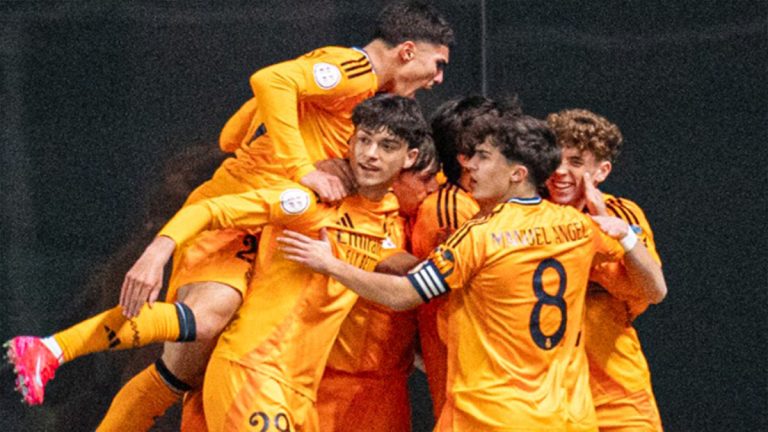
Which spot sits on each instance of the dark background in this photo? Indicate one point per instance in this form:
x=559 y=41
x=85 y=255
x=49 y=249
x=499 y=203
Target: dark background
x=111 y=113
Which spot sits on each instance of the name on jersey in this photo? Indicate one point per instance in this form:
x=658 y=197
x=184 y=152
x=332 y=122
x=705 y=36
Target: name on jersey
x=361 y=251
x=541 y=236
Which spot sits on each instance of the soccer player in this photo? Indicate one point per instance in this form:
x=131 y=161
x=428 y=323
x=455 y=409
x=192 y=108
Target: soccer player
x=517 y=277
x=444 y=211
x=300 y=114
x=619 y=375
x=365 y=383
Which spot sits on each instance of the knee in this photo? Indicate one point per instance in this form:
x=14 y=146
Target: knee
x=213 y=305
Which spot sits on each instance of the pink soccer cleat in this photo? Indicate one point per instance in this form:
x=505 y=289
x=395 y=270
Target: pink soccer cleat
x=34 y=365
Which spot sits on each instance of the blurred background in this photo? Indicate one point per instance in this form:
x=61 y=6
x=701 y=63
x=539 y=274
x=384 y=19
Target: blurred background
x=111 y=112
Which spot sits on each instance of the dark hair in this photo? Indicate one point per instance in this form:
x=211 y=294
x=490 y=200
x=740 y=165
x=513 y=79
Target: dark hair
x=427 y=157
x=586 y=130
x=399 y=115
x=452 y=119
x=530 y=142
x=412 y=20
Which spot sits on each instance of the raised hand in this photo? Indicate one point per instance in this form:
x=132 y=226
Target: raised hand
x=593 y=196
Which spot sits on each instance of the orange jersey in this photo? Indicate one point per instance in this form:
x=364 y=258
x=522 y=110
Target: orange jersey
x=301 y=113
x=619 y=371
x=441 y=213
x=364 y=385
x=290 y=315
x=519 y=279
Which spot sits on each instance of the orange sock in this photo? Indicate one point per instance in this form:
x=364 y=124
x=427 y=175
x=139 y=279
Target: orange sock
x=141 y=400
x=110 y=330
x=192 y=414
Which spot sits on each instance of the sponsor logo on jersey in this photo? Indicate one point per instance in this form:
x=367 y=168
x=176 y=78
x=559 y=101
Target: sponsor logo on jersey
x=294 y=201
x=387 y=243
x=327 y=76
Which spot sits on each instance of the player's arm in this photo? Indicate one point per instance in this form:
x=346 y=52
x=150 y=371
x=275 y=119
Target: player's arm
x=237 y=127
x=397 y=264
x=643 y=271
x=277 y=90
x=395 y=292
x=252 y=209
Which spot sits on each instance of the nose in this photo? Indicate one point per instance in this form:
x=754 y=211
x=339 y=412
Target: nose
x=439 y=77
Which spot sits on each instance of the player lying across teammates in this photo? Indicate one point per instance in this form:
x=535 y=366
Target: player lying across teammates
x=300 y=115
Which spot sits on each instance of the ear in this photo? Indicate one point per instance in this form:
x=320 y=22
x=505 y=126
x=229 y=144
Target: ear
x=406 y=51
x=410 y=158
x=518 y=173
x=603 y=169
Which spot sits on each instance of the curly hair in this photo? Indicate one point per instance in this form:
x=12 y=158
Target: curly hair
x=586 y=130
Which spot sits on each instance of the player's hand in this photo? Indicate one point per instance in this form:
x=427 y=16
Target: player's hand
x=144 y=280
x=327 y=186
x=340 y=168
x=595 y=202
x=613 y=226
x=315 y=254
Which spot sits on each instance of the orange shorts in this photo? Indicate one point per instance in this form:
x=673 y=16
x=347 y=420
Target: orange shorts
x=237 y=398
x=433 y=349
x=223 y=256
x=634 y=412
x=349 y=402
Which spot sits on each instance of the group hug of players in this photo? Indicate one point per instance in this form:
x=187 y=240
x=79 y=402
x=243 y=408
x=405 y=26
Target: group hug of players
x=305 y=268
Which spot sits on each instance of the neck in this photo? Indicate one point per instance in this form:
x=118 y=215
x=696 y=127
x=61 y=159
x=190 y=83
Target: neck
x=524 y=190
x=381 y=55
x=373 y=193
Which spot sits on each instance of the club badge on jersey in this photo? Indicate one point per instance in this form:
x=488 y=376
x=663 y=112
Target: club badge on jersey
x=294 y=201
x=327 y=76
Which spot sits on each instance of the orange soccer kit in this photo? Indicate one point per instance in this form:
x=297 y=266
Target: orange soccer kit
x=620 y=378
x=519 y=279
x=301 y=113
x=441 y=213
x=269 y=361
x=365 y=383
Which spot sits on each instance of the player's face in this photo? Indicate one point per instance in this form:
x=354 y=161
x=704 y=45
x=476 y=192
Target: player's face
x=423 y=68
x=566 y=185
x=489 y=169
x=411 y=188
x=378 y=156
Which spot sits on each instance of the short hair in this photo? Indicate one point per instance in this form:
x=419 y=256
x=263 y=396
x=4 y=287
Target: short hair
x=412 y=20
x=527 y=141
x=452 y=119
x=399 y=115
x=427 y=158
x=586 y=130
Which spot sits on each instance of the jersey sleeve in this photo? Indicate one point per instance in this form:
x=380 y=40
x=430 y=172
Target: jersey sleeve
x=237 y=127
x=279 y=88
x=247 y=210
x=450 y=266
x=613 y=275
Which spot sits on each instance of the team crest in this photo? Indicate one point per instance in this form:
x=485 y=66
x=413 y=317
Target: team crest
x=637 y=229
x=387 y=243
x=327 y=76
x=294 y=201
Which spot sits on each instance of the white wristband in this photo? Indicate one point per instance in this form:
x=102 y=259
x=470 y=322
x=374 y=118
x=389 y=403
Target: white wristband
x=629 y=241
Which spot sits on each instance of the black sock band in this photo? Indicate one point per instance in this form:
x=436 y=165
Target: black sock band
x=170 y=379
x=187 y=330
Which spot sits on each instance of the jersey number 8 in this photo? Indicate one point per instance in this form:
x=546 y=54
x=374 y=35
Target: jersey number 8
x=544 y=341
